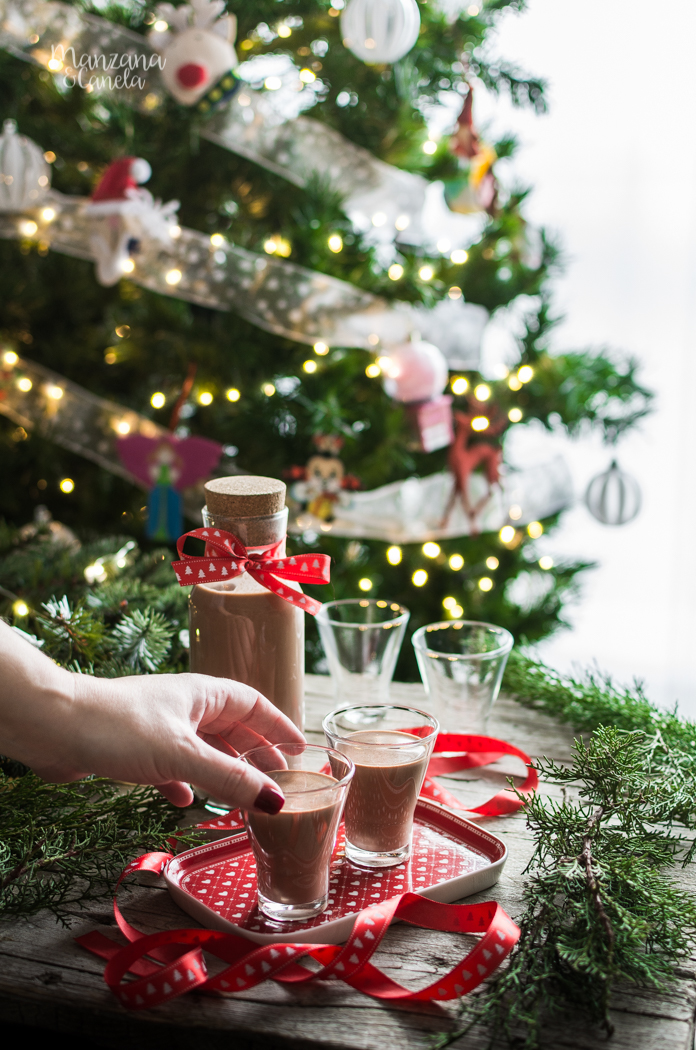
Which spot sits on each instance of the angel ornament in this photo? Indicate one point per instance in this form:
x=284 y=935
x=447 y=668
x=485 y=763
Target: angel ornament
x=196 y=44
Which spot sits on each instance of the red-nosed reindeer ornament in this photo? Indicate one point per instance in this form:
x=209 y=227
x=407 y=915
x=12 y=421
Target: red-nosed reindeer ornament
x=199 y=59
x=468 y=452
x=122 y=213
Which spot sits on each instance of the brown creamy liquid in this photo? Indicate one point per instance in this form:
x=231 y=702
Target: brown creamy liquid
x=384 y=790
x=240 y=630
x=293 y=849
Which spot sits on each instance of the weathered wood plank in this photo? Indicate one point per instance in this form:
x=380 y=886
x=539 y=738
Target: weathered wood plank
x=47 y=981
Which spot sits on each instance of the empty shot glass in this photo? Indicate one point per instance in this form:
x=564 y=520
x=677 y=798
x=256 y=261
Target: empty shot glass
x=390 y=766
x=293 y=848
x=462 y=663
x=362 y=638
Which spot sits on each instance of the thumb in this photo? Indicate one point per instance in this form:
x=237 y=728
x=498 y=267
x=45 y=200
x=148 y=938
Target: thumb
x=232 y=781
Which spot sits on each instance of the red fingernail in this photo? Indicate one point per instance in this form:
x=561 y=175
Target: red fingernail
x=269 y=800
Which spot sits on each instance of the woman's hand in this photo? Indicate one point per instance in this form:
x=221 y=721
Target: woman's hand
x=165 y=730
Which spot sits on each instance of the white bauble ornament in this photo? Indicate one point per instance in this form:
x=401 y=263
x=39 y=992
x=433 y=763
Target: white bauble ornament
x=415 y=371
x=24 y=174
x=380 y=30
x=613 y=497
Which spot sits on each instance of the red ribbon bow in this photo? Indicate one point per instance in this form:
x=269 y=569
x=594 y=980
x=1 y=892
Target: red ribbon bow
x=233 y=559
x=169 y=963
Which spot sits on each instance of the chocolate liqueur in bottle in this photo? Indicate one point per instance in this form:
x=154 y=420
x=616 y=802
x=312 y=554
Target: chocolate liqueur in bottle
x=238 y=629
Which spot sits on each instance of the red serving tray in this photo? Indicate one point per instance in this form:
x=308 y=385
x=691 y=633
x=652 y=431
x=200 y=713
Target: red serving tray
x=451 y=858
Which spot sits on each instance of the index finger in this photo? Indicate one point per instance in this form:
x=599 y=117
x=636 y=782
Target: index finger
x=237 y=705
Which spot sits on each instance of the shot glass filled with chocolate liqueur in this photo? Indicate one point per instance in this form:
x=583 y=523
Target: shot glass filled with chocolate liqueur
x=238 y=628
x=293 y=848
x=390 y=765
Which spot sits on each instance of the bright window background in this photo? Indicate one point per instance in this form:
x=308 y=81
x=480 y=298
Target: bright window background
x=613 y=168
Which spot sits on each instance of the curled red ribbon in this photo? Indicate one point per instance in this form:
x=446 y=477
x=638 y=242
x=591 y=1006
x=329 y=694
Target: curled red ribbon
x=169 y=963
x=233 y=559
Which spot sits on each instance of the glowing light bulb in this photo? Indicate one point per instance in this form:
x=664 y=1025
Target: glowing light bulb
x=310 y=366
x=431 y=550
x=25 y=384
x=335 y=242
x=128 y=265
x=173 y=277
x=419 y=578
x=492 y=563
x=365 y=584
x=268 y=389
x=486 y=583
x=515 y=415
x=449 y=603
x=379 y=218
x=48 y=214
x=205 y=398
x=272 y=83
x=507 y=534
x=233 y=394
x=157 y=400
x=10 y=358
x=161 y=26
x=455 y=292
x=546 y=563
x=307 y=76
x=49 y=156
x=283 y=31
x=402 y=222
x=513 y=382
x=426 y=273
x=28 y=228
x=54 y=392
x=123 y=427
x=482 y=392
x=515 y=512
x=217 y=240
x=321 y=349
x=459 y=256
x=67 y=485
x=20 y=608
x=480 y=423
x=460 y=385
x=55 y=65
x=456 y=562
x=396 y=272
x=373 y=371
x=175 y=231
x=430 y=147
x=525 y=373
x=394 y=555
x=535 y=529
x=456 y=612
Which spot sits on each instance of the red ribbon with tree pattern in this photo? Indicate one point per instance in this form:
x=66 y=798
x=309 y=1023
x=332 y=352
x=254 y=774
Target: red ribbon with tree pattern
x=233 y=558
x=170 y=963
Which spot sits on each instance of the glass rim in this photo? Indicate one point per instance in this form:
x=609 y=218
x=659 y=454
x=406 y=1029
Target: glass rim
x=418 y=636
x=313 y=747
x=363 y=603
x=434 y=724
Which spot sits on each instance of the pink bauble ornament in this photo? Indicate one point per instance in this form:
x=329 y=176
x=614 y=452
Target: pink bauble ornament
x=415 y=371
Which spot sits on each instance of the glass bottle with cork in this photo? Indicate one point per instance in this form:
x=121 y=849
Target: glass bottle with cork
x=238 y=628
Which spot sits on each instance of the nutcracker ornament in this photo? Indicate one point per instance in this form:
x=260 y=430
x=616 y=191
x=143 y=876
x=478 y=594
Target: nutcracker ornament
x=121 y=213
x=322 y=482
x=196 y=45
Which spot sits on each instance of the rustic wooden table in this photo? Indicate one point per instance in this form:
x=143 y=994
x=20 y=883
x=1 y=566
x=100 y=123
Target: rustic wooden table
x=47 y=981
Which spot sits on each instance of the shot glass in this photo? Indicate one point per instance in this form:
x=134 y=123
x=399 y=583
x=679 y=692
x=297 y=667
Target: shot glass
x=390 y=765
x=461 y=663
x=362 y=638
x=293 y=848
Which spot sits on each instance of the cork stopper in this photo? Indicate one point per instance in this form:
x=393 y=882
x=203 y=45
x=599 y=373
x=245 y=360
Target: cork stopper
x=244 y=496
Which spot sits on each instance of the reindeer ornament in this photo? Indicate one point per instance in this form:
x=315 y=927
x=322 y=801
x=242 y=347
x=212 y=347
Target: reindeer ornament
x=199 y=59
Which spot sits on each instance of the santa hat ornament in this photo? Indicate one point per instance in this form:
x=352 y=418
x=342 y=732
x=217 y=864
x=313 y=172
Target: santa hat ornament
x=122 y=214
x=199 y=59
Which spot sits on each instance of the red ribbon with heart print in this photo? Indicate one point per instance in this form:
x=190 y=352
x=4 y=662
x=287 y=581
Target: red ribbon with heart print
x=170 y=963
x=452 y=753
x=233 y=558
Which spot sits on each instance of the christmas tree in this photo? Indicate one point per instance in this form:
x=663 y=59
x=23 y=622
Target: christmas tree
x=328 y=233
